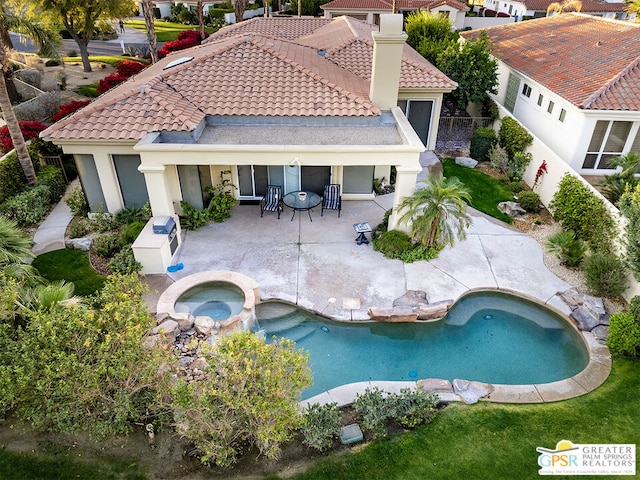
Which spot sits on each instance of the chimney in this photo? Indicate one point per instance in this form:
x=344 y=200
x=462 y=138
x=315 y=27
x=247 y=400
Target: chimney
x=387 y=57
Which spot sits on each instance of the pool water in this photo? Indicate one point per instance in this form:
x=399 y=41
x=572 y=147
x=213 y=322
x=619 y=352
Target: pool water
x=218 y=300
x=487 y=337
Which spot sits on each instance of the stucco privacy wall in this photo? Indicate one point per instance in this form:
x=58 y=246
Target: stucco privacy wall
x=548 y=183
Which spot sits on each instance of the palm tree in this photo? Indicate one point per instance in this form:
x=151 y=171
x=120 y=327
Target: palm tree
x=564 y=6
x=15 y=246
x=149 y=18
x=614 y=185
x=48 y=48
x=437 y=212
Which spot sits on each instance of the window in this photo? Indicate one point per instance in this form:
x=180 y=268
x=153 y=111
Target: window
x=511 y=95
x=526 y=90
x=563 y=114
x=550 y=107
x=608 y=141
x=540 y=99
x=443 y=14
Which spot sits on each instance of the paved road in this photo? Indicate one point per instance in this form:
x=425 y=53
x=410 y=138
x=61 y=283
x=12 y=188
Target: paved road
x=131 y=36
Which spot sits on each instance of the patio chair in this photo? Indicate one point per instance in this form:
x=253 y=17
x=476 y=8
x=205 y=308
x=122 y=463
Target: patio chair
x=272 y=200
x=332 y=200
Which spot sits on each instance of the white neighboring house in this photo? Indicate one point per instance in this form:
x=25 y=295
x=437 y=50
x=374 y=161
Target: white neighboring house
x=538 y=8
x=573 y=80
x=370 y=10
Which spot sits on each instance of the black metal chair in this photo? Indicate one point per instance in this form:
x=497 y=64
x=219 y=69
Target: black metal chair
x=332 y=200
x=272 y=200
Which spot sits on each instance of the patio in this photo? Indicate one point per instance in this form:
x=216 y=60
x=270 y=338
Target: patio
x=318 y=265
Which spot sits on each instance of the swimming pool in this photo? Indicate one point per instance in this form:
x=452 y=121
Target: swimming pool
x=489 y=337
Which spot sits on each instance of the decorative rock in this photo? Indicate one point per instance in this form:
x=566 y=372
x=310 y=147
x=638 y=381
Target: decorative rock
x=436 y=385
x=169 y=328
x=513 y=209
x=572 y=297
x=596 y=305
x=392 y=314
x=471 y=392
x=434 y=311
x=411 y=299
x=586 y=319
x=161 y=317
x=199 y=364
x=204 y=325
x=185 y=320
x=466 y=162
x=601 y=332
x=79 y=244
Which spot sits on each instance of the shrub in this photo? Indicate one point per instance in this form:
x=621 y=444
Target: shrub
x=482 y=140
x=373 y=411
x=393 y=244
x=577 y=208
x=29 y=207
x=605 y=274
x=191 y=35
x=102 y=221
x=31 y=76
x=29 y=130
x=413 y=407
x=106 y=244
x=220 y=207
x=321 y=425
x=78 y=228
x=630 y=208
x=110 y=81
x=129 y=68
x=193 y=218
x=569 y=249
x=177 y=45
x=516 y=187
x=130 y=231
x=77 y=202
x=124 y=262
x=383 y=226
x=12 y=179
x=52 y=62
x=69 y=108
x=42 y=107
x=624 y=334
x=517 y=165
x=499 y=158
x=530 y=201
x=420 y=252
x=134 y=214
x=53 y=178
x=513 y=137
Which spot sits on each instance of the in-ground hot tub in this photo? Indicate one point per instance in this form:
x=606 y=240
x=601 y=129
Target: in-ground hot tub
x=229 y=298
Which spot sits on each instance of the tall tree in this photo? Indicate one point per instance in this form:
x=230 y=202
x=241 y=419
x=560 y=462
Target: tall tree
x=81 y=17
x=48 y=47
x=633 y=6
x=430 y=34
x=149 y=20
x=472 y=67
x=437 y=212
x=200 y=15
x=239 y=6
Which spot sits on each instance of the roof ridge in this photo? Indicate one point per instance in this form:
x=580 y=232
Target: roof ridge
x=154 y=94
x=610 y=83
x=314 y=75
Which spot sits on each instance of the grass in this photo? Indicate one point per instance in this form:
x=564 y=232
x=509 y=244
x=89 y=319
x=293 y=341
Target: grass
x=112 y=60
x=72 y=266
x=165 y=31
x=90 y=90
x=489 y=441
x=486 y=191
x=63 y=465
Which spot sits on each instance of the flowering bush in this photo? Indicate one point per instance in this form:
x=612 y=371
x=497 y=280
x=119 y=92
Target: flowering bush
x=129 y=68
x=186 y=39
x=69 y=108
x=191 y=34
x=29 y=130
x=110 y=81
x=541 y=169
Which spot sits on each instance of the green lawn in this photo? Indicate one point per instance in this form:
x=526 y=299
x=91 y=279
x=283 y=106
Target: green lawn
x=71 y=265
x=486 y=191
x=165 y=31
x=112 y=60
x=90 y=90
x=496 y=441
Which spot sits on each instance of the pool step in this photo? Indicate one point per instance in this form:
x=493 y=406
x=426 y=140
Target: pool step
x=295 y=333
x=274 y=310
x=278 y=324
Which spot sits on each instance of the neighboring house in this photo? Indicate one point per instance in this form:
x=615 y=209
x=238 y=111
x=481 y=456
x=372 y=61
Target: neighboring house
x=573 y=80
x=370 y=10
x=538 y=8
x=297 y=102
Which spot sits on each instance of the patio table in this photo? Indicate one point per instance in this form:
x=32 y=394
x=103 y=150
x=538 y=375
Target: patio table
x=301 y=200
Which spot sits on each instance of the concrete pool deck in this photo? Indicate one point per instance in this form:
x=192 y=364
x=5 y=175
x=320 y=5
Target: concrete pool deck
x=317 y=265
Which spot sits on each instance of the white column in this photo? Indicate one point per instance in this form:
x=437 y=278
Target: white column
x=405 y=186
x=158 y=188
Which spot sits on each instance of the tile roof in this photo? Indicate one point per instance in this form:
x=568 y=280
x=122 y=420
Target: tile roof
x=587 y=5
x=388 y=4
x=261 y=67
x=592 y=62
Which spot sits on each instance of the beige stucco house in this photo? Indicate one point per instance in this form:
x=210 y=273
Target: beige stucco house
x=297 y=102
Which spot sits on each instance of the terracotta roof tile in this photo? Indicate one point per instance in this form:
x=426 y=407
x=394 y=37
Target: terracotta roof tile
x=237 y=72
x=388 y=4
x=592 y=62
x=587 y=5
